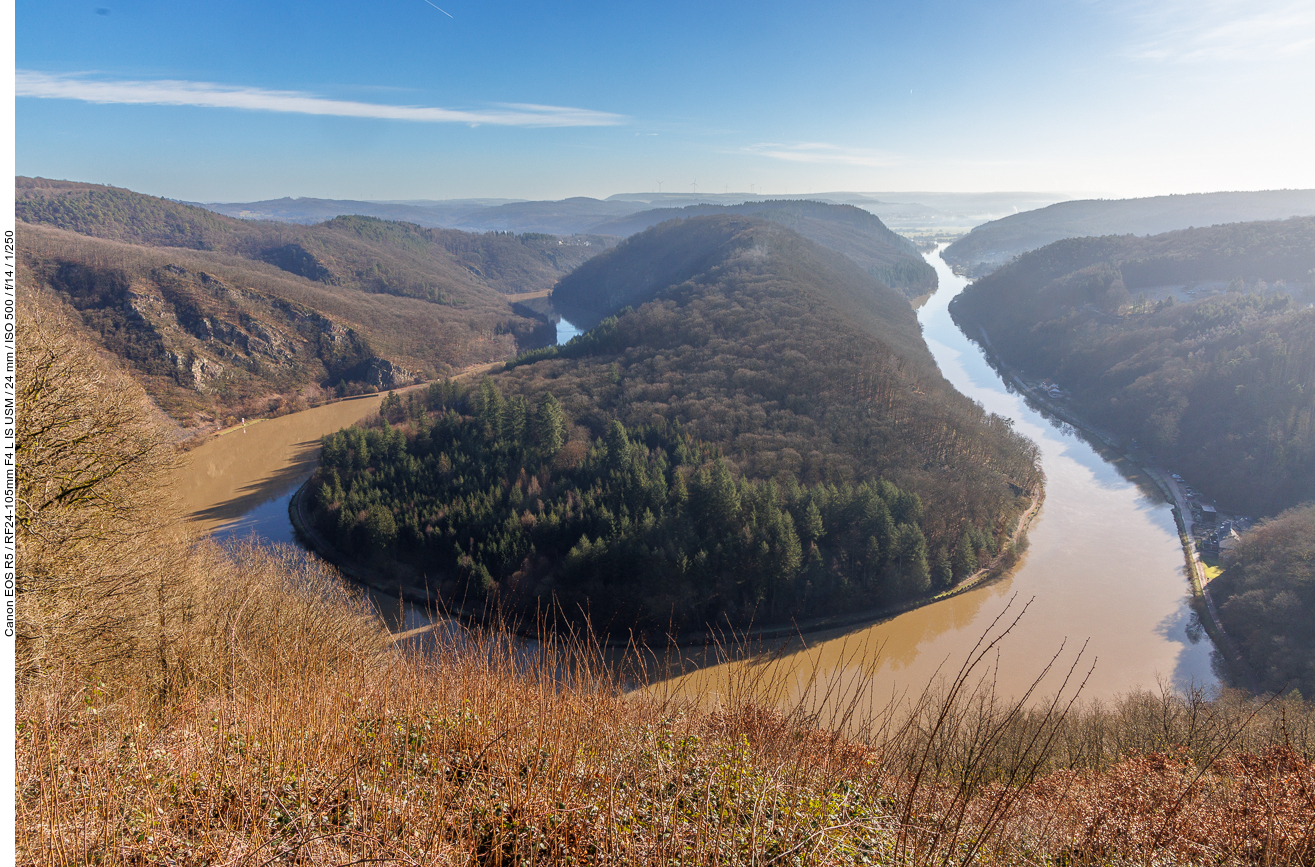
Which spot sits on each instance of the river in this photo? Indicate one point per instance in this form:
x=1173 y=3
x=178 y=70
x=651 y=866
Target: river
x=1104 y=564
x=238 y=484
x=566 y=331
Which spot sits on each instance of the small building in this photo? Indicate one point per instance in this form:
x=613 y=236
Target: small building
x=1209 y=514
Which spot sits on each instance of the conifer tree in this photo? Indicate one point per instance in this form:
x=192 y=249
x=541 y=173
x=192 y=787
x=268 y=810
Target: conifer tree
x=549 y=425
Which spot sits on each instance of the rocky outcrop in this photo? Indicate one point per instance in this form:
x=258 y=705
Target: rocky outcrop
x=381 y=373
x=190 y=332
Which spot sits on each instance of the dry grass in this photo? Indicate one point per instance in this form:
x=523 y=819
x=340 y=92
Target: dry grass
x=300 y=737
x=183 y=704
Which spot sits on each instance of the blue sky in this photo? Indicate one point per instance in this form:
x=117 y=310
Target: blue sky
x=398 y=99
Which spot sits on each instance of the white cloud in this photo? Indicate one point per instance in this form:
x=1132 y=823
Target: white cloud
x=197 y=93
x=1224 y=30
x=818 y=152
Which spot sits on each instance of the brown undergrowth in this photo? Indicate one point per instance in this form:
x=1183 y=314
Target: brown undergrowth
x=302 y=740
x=185 y=704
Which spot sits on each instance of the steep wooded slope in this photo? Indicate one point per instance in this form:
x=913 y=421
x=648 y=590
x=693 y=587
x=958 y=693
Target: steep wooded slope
x=221 y=317
x=1266 y=599
x=1199 y=343
x=212 y=335
x=765 y=434
x=858 y=234
x=992 y=244
x=365 y=253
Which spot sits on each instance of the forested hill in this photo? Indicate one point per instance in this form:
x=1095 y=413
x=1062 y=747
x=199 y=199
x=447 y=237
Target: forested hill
x=1199 y=343
x=1266 y=598
x=853 y=231
x=763 y=436
x=220 y=317
x=860 y=235
x=576 y=215
x=992 y=244
x=366 y=253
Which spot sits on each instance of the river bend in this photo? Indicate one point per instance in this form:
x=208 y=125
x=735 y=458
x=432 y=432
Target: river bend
x=1104 y=564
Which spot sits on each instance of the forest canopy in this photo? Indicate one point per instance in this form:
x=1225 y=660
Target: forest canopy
x=1200 y=344
x=859 y=234
x=1268 y=593
x=755 y=431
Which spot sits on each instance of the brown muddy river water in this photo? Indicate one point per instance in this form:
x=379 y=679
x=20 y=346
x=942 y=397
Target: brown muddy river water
x=233 y=483
x=239 y=483
x=1104 y=566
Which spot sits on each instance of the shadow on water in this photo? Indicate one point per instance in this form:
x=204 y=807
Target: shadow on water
x=278 y=484
x=1187 y=621
x=872 y=642
x=1104 y=562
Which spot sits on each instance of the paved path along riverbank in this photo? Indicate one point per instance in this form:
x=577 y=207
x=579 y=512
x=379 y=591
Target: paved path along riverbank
x=1167 y=485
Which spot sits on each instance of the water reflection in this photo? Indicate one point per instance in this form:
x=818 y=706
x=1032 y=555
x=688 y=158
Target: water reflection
x=1104 y=564
x=565 y=331
x=238 y=485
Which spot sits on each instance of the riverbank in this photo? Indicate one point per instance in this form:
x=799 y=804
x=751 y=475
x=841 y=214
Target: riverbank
x=1103 y=559
x=422 y=594
x=1160 y=479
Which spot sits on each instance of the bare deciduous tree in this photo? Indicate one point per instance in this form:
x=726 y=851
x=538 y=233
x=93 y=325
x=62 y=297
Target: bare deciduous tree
x=94 y=509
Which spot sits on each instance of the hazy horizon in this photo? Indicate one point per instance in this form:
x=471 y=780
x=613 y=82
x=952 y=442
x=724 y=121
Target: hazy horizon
x=246 y=102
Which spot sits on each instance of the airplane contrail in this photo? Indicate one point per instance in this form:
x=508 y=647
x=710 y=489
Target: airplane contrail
x=440 y=9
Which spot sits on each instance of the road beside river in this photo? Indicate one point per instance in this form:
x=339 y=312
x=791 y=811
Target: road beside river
x=1104 y=567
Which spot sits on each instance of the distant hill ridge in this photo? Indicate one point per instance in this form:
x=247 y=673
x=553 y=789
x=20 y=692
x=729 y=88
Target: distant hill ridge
x=220 y=316
x=1198 y=343
x=847 y=229
x=571 y=216
x=367 y=253
x=851 y=230
x=755 y=431
x=992 y=244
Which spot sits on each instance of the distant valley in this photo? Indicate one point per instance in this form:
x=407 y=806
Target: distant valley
x=755 y=430
x=223 y=318
x=995 y=243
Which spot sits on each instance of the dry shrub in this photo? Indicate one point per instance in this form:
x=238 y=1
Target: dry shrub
x=186 y=704
x=473 y=750
x=1250 y=808
x=94 y=540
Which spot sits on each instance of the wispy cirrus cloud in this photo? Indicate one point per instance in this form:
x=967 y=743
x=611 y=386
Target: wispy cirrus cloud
x=819 y=152
x=43 y=85
x=1223 y=30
